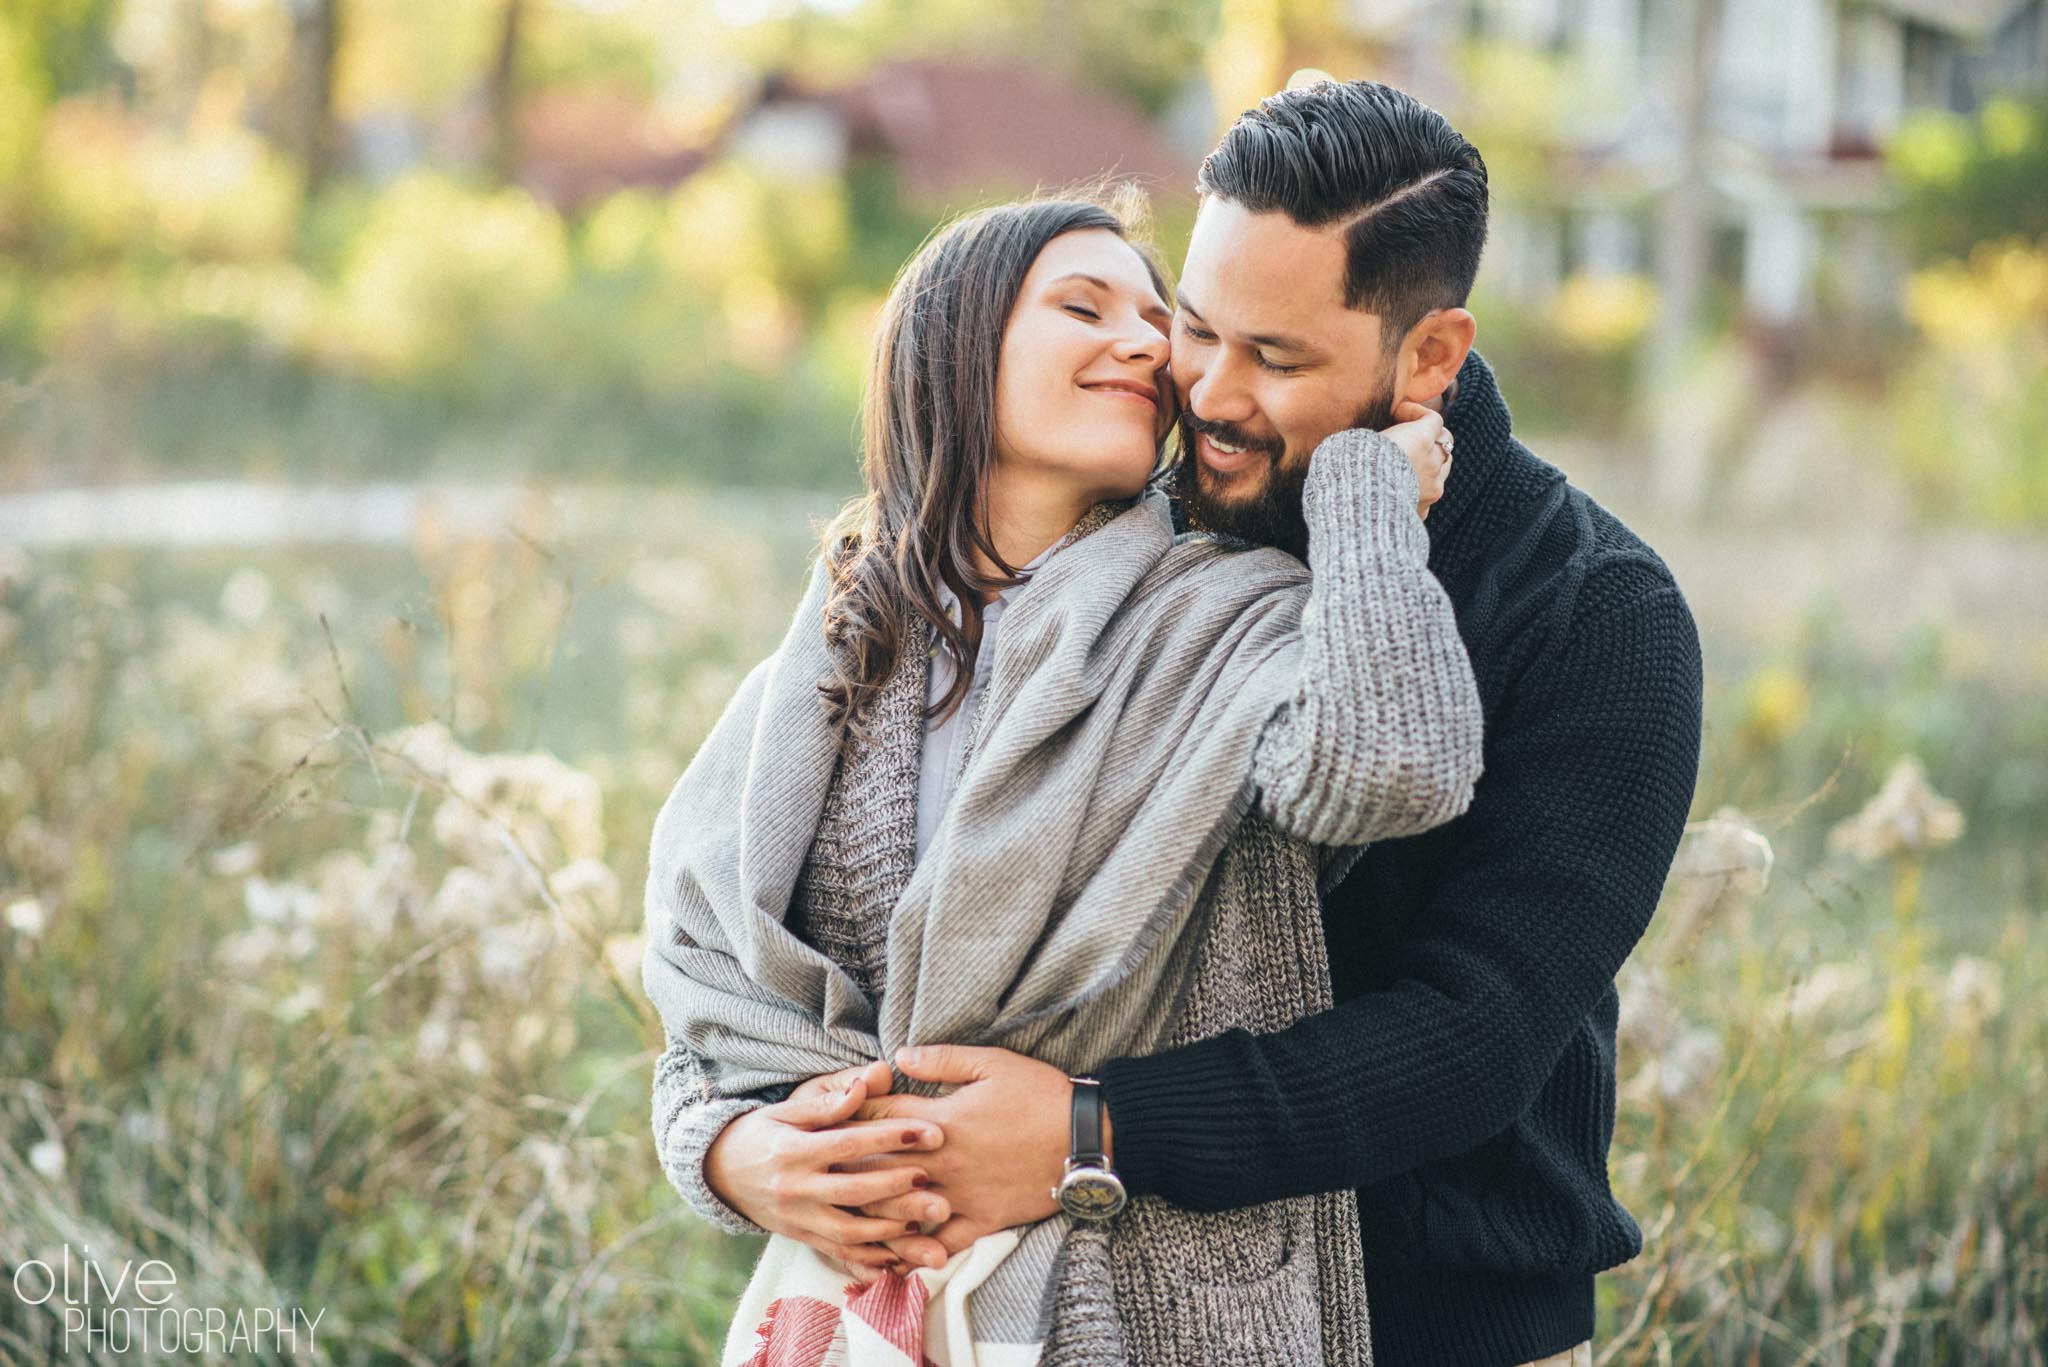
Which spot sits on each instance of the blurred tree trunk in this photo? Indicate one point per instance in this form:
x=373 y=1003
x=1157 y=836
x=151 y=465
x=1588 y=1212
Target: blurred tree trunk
x=194 y=47
x=24 y=96
x=1680 y=452
x=1246 y=59
x=309 y=93
x=502 y=94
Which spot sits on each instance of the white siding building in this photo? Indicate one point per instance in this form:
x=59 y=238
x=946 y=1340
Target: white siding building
x=1803 y=95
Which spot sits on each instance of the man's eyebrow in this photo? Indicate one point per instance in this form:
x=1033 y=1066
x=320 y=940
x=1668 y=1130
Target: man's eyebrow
x=1277 y=341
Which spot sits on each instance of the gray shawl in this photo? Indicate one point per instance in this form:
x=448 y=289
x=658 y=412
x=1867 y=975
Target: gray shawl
x=1112 y=759
x=1088 y=892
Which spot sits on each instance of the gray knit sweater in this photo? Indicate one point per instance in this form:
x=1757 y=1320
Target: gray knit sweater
x=1383 y=675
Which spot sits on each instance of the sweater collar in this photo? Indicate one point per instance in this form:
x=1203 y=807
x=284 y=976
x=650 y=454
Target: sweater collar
x=1492 y=474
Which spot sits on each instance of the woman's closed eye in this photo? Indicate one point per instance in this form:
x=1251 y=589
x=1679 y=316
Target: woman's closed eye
x=1083 y=311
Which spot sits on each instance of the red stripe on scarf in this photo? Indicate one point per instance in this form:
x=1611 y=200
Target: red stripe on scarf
x=797 y=1333
x=893 y=1307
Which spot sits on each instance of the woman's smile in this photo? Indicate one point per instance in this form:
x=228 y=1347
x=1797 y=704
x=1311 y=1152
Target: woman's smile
x=1135 y=391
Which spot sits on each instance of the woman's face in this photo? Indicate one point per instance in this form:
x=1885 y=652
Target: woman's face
x=1083 y=393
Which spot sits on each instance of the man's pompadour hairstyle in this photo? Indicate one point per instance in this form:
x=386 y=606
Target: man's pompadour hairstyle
x=1409 y=189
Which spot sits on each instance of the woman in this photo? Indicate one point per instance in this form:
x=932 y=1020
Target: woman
x=1029 y=770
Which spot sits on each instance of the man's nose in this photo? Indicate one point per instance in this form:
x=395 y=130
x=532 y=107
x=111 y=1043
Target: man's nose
x=1219 y=394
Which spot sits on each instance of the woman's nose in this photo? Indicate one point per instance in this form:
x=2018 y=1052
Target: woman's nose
x=1143 y=344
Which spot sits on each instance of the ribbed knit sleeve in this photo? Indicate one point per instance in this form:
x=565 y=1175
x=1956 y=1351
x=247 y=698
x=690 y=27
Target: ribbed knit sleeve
x=1549 y=884
x=687 y=1120
x=1382 y=736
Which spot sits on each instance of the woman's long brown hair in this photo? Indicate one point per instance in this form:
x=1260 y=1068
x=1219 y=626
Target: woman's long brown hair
x=928 y=445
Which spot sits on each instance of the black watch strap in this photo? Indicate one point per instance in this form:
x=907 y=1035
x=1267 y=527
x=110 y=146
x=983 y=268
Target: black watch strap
x=1086 y=1132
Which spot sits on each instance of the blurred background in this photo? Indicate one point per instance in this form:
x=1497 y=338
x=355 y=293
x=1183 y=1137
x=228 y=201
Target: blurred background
x=414 y=421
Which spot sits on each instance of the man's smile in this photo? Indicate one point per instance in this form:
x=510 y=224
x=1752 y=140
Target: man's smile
x=1225 y=459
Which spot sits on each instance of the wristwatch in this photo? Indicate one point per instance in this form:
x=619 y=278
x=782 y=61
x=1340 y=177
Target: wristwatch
x=1089 y=1190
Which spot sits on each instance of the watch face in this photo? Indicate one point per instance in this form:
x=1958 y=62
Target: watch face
x=1088 y=1194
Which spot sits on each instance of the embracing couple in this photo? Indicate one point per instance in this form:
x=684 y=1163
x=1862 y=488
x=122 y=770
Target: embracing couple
x=1146 y=904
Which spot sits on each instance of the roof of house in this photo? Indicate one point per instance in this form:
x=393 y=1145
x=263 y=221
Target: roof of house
x=967 y=128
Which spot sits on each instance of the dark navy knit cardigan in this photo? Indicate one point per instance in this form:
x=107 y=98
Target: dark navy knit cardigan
x=1464 y=1082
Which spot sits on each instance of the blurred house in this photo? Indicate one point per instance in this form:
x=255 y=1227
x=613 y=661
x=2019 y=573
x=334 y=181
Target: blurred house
x=1802 y=96
x=959 y=131
x=574 y=146
x=954 y=132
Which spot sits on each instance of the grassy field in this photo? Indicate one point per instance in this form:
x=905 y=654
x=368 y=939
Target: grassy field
x=319 y=967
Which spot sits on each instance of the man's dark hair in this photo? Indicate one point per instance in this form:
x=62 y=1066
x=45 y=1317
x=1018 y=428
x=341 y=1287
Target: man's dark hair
x=1410 y=189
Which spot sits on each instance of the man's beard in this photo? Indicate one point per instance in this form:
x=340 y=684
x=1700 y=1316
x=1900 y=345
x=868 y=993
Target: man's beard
x=1271 y=517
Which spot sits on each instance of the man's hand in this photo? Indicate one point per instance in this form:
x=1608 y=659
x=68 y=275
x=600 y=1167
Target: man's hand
x=780 y=1166
x=1006 y=1141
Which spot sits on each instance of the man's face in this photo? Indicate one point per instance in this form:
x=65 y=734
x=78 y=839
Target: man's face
x=1268 y=362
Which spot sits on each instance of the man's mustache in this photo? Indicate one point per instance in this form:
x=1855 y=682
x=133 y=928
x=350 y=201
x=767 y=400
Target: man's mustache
x=1228 y=433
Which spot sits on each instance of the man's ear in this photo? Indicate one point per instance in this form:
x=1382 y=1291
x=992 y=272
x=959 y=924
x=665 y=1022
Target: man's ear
x=1432 y=352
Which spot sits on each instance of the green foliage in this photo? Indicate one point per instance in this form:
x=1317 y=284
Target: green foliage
x=1971 y=411
x=1972 y=425
x=1518 y=100
x=730 y=226
x=115 y=193
x=1142 y=52
x=23 y=94
x=65 y=41
x=1552 y=388
x=1803 y=733
x=440 y=271
x=571 y=46
x=716 y=332
x=1969 y=180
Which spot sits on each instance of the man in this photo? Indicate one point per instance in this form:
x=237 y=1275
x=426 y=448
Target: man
x=1464 y=1081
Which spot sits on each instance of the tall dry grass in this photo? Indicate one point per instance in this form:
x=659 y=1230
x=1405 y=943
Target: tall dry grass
x=318 y=981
